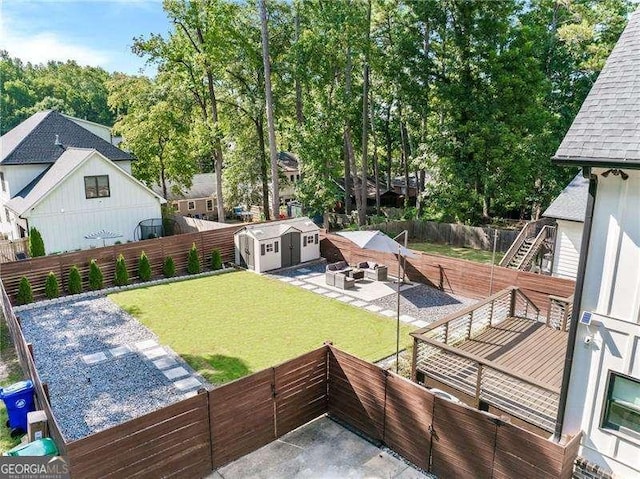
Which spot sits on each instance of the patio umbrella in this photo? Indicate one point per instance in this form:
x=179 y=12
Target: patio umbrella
x=103 y=235
x=378 y=241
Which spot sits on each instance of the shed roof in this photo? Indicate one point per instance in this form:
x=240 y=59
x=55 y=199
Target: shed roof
x=34 y=140
x=275 y=229
x=571 y=203
x=605 y=132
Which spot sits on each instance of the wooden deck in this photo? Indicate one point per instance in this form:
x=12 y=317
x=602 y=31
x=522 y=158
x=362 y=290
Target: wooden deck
x=529 y=349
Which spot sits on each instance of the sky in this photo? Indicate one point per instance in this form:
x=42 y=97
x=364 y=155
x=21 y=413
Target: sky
x=91 y=32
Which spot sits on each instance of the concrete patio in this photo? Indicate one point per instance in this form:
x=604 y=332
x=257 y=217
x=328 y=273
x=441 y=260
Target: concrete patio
x=419 y=304
x=320 y=449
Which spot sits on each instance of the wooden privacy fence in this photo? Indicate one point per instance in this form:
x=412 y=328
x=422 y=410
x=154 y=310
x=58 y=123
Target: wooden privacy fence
x=9 y=249
x=456 y=276
x=157 y=249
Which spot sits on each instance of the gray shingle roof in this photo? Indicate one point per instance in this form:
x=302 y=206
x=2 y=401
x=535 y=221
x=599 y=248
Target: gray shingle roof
x=571 y=204
x=33 y=140
x=203 y=185
x=606 y=130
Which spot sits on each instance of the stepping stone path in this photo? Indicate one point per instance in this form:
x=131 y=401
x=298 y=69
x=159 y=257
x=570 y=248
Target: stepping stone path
x=160 y=358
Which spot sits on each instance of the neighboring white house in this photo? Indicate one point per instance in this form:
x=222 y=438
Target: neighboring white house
x=568 y=210
x=266 y=246
x=67 y=182
x=603 y=356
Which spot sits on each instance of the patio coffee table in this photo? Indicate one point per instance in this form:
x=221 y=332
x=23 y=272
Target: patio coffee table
x=357 y=273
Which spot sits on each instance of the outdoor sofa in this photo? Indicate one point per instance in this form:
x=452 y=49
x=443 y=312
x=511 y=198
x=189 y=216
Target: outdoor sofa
x=337 y=275
x=374 y=271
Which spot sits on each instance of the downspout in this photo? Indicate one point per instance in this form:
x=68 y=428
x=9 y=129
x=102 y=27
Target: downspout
x=577 y=300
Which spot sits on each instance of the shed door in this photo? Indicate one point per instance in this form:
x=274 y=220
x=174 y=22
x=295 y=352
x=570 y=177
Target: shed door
x=290 y=249
x=246 y=252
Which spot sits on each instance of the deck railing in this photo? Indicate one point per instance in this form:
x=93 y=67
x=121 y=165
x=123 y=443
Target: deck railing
x=436 y=357
x=559 y=312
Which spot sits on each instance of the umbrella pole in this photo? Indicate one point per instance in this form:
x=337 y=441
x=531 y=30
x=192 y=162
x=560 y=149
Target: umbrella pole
x=398 y=316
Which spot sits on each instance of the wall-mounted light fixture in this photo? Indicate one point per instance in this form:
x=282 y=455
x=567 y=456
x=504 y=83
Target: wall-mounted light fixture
x=615 y=172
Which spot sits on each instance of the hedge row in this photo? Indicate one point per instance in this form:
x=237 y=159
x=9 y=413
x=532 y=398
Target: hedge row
x=96 y=278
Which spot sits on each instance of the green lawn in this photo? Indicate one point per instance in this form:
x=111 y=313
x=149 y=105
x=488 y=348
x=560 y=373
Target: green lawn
x=10 y=372
x=230 y=325
x=456 y=252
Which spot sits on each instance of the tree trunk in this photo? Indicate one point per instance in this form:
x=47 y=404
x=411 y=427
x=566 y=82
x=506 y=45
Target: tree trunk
x=387 y=135
x=348 y=143
x=362 y=212
x=275 y=200
x=263 y=166
x=298 y=85
x=405 y=156
x=217 y=152
x=376 y=173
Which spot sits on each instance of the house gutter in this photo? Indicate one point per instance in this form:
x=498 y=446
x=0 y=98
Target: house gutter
x=577 y=301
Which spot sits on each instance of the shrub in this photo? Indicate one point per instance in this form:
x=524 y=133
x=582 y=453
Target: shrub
x=75 y=281
x=216 y=260
x=144 y=267
x=51 y=288
x=25 y=294
x=193 y=263
x=168 y=267
x=36 y=243
x=96 y=279
x=122 y=276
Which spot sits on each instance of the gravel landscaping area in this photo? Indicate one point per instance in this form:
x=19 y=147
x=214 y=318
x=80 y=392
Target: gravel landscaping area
x=102 y=366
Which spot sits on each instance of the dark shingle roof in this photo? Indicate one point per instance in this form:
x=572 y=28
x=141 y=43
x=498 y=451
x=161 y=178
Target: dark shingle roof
x=606 y=130
x=33 y=140
x=571 y=204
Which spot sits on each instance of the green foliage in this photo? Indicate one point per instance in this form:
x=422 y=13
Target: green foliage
x=51 y=287
x=121 y=274
x=74 y=284
x=193 y=260
x=36 y=243
x=25 y=294
x=144 y=267
x=168 y=267
x=216 y=260
x=96 y=280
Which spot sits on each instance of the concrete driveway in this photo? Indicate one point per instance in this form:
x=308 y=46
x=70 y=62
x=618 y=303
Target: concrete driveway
x=320 y=449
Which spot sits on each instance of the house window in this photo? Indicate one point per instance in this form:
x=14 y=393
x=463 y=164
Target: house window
x=96 y=186
x=191 y=205
x=269 y=247
x=209 y=205
x=622 y=405
x=176 y=206
x=4 y=188
x=6 y=213
x=308 y=240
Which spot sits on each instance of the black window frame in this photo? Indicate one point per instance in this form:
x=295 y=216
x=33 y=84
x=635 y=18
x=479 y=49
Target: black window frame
x=189 y=203
x=97 y=187
x=607 y=425
x=209 y=205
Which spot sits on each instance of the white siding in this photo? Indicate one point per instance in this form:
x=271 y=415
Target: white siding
x=612 y=292
x=270 y=260
x=19 y=176
x=312 y=250
x=567 y=250
x=102 y=131
x=65 y=216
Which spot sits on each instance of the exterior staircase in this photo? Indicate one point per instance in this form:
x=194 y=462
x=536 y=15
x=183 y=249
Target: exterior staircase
x=535 y=236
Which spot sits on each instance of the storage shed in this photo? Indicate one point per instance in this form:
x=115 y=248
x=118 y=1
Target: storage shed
x=279 y=244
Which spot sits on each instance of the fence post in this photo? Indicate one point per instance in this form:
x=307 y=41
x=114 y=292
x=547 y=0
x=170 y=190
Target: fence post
x=563 y=325
x=414 y=359
x=446 y=332
x=491 y=312
x=478 y=385
x=470 y=325
x=30 y=348
x=512 y=305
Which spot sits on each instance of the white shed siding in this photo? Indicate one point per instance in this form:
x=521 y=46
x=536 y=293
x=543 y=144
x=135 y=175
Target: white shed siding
x=312 y=250
x=65 y=216
x=612 y=292
x=567 y=250
x=270 y=260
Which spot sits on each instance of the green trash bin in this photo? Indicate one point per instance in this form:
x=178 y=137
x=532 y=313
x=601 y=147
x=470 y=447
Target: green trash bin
x=39 y=447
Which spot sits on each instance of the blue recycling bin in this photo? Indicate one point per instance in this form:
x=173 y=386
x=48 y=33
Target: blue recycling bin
x=18 y=398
